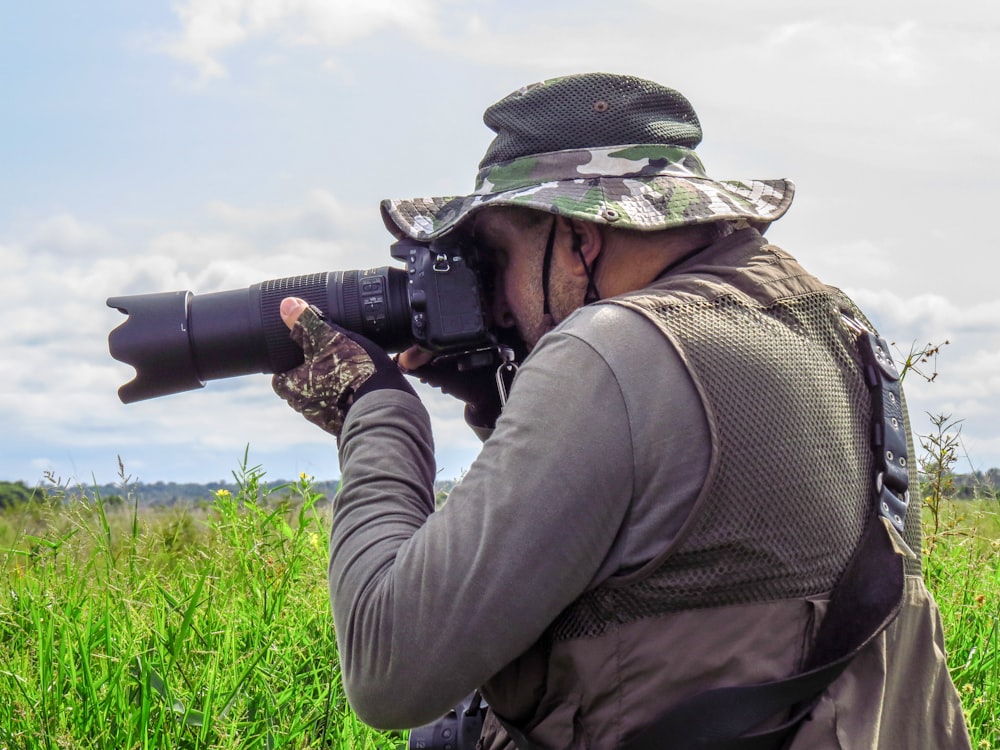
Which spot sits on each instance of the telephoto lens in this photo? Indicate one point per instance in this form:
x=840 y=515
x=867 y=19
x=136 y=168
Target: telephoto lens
x=176 y=341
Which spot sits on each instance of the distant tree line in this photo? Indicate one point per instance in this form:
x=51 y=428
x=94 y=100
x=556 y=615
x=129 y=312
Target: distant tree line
x=15 y=493
x=152 y=493
x=979 y=485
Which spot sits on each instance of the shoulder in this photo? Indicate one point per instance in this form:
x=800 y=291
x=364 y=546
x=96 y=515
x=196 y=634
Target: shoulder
x=631 y=356
x=628 y=384
x=611 y=331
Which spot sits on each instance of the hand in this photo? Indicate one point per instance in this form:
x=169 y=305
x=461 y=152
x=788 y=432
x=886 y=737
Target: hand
x=339 y=367
x=476 y=387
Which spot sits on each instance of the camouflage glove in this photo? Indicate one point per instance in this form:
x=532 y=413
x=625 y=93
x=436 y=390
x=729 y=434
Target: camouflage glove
x=340 y=366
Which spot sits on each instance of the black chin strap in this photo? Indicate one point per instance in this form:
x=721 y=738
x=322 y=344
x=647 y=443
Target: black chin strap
x=547 y=269
x=592 y=295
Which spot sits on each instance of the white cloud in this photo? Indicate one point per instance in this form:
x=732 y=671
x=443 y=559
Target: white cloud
x=968 y=396
x=321 y=213
x=210 y=27
x=65 y=235
x=870 y=48
x=855 y=260
x=314 y=235
x=966 y=383
x=15 y=260
x=929 y=317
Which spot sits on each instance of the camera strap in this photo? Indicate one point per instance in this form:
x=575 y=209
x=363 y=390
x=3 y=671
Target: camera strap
x=866 y=599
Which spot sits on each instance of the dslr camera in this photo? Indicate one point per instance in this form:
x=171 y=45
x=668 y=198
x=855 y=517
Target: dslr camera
x=176 y=341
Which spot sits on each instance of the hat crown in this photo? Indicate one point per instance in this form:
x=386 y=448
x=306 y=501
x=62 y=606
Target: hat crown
x=600 y=147
x=590 y=110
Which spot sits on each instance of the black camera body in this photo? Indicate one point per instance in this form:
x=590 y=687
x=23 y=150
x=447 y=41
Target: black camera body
x=459 y=729
x=446 y=311
x=176 y=341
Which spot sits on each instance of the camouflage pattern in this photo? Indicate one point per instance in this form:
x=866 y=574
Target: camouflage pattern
x=322 y=388
x=644 y=186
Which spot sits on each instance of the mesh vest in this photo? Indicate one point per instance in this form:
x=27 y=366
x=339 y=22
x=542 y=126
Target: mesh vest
x=787 y=495
x=790 y=486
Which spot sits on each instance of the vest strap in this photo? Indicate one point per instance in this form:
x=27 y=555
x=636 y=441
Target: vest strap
x=865 y=601
x=888 y=436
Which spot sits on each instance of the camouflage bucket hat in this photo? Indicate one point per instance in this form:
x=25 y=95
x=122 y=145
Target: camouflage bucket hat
x=606 y=148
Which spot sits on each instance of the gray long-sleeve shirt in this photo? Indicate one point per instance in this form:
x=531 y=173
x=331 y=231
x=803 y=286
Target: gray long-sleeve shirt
x=590 y=472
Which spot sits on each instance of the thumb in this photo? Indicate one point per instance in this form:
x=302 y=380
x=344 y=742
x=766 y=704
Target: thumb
x=413 y=358
x=291 y=309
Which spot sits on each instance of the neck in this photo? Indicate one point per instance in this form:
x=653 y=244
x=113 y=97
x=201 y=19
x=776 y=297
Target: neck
x=632 y=260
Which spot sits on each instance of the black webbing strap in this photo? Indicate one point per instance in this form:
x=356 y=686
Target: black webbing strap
x=520 y=741
x=892 y=478
x=866 y=599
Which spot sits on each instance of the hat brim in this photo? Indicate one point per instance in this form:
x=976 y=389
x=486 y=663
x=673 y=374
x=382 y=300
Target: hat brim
x=643 y=203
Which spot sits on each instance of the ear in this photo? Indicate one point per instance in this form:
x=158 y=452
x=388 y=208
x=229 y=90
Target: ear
x=591 y=241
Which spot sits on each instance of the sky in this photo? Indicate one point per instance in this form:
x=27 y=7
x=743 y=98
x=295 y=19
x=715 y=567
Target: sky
x=207 y=145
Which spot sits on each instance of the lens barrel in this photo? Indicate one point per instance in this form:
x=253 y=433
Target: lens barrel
x=176 y=341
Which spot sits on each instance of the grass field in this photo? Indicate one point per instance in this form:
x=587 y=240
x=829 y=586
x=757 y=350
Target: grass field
x=962 y=568
x=199 y=627
x=209 y=627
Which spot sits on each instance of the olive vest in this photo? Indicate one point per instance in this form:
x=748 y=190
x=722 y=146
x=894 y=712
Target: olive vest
x=737 y=595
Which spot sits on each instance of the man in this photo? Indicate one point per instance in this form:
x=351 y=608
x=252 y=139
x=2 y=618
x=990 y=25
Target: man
x=676 y=484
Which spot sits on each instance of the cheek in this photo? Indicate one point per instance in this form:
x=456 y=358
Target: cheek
x=501 y=302
x=520 y=301
x=516 y=284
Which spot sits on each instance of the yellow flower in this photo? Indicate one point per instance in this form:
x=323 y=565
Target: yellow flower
x=223 y=493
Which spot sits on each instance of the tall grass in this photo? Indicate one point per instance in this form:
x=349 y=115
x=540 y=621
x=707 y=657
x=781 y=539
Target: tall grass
x=209 y=627
x=187 y=628
x=962 y=569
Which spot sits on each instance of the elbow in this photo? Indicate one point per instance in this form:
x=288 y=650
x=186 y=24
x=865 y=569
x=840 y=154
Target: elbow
x=385 y=705
x=396 y=687
x=387 y=685
x=374 y=707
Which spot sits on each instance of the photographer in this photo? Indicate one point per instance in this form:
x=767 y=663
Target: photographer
x=676 y=485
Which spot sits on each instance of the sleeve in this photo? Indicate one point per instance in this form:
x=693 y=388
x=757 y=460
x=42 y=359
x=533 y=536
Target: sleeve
x=429 y=605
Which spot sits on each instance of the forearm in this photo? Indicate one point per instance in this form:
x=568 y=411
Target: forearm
x=429 y=606
x=387 y=467
x=404 y=583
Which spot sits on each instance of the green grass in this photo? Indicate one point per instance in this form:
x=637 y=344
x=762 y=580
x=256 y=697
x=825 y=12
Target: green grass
x=209 y=627
x=180 y=628
x=962 y=568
